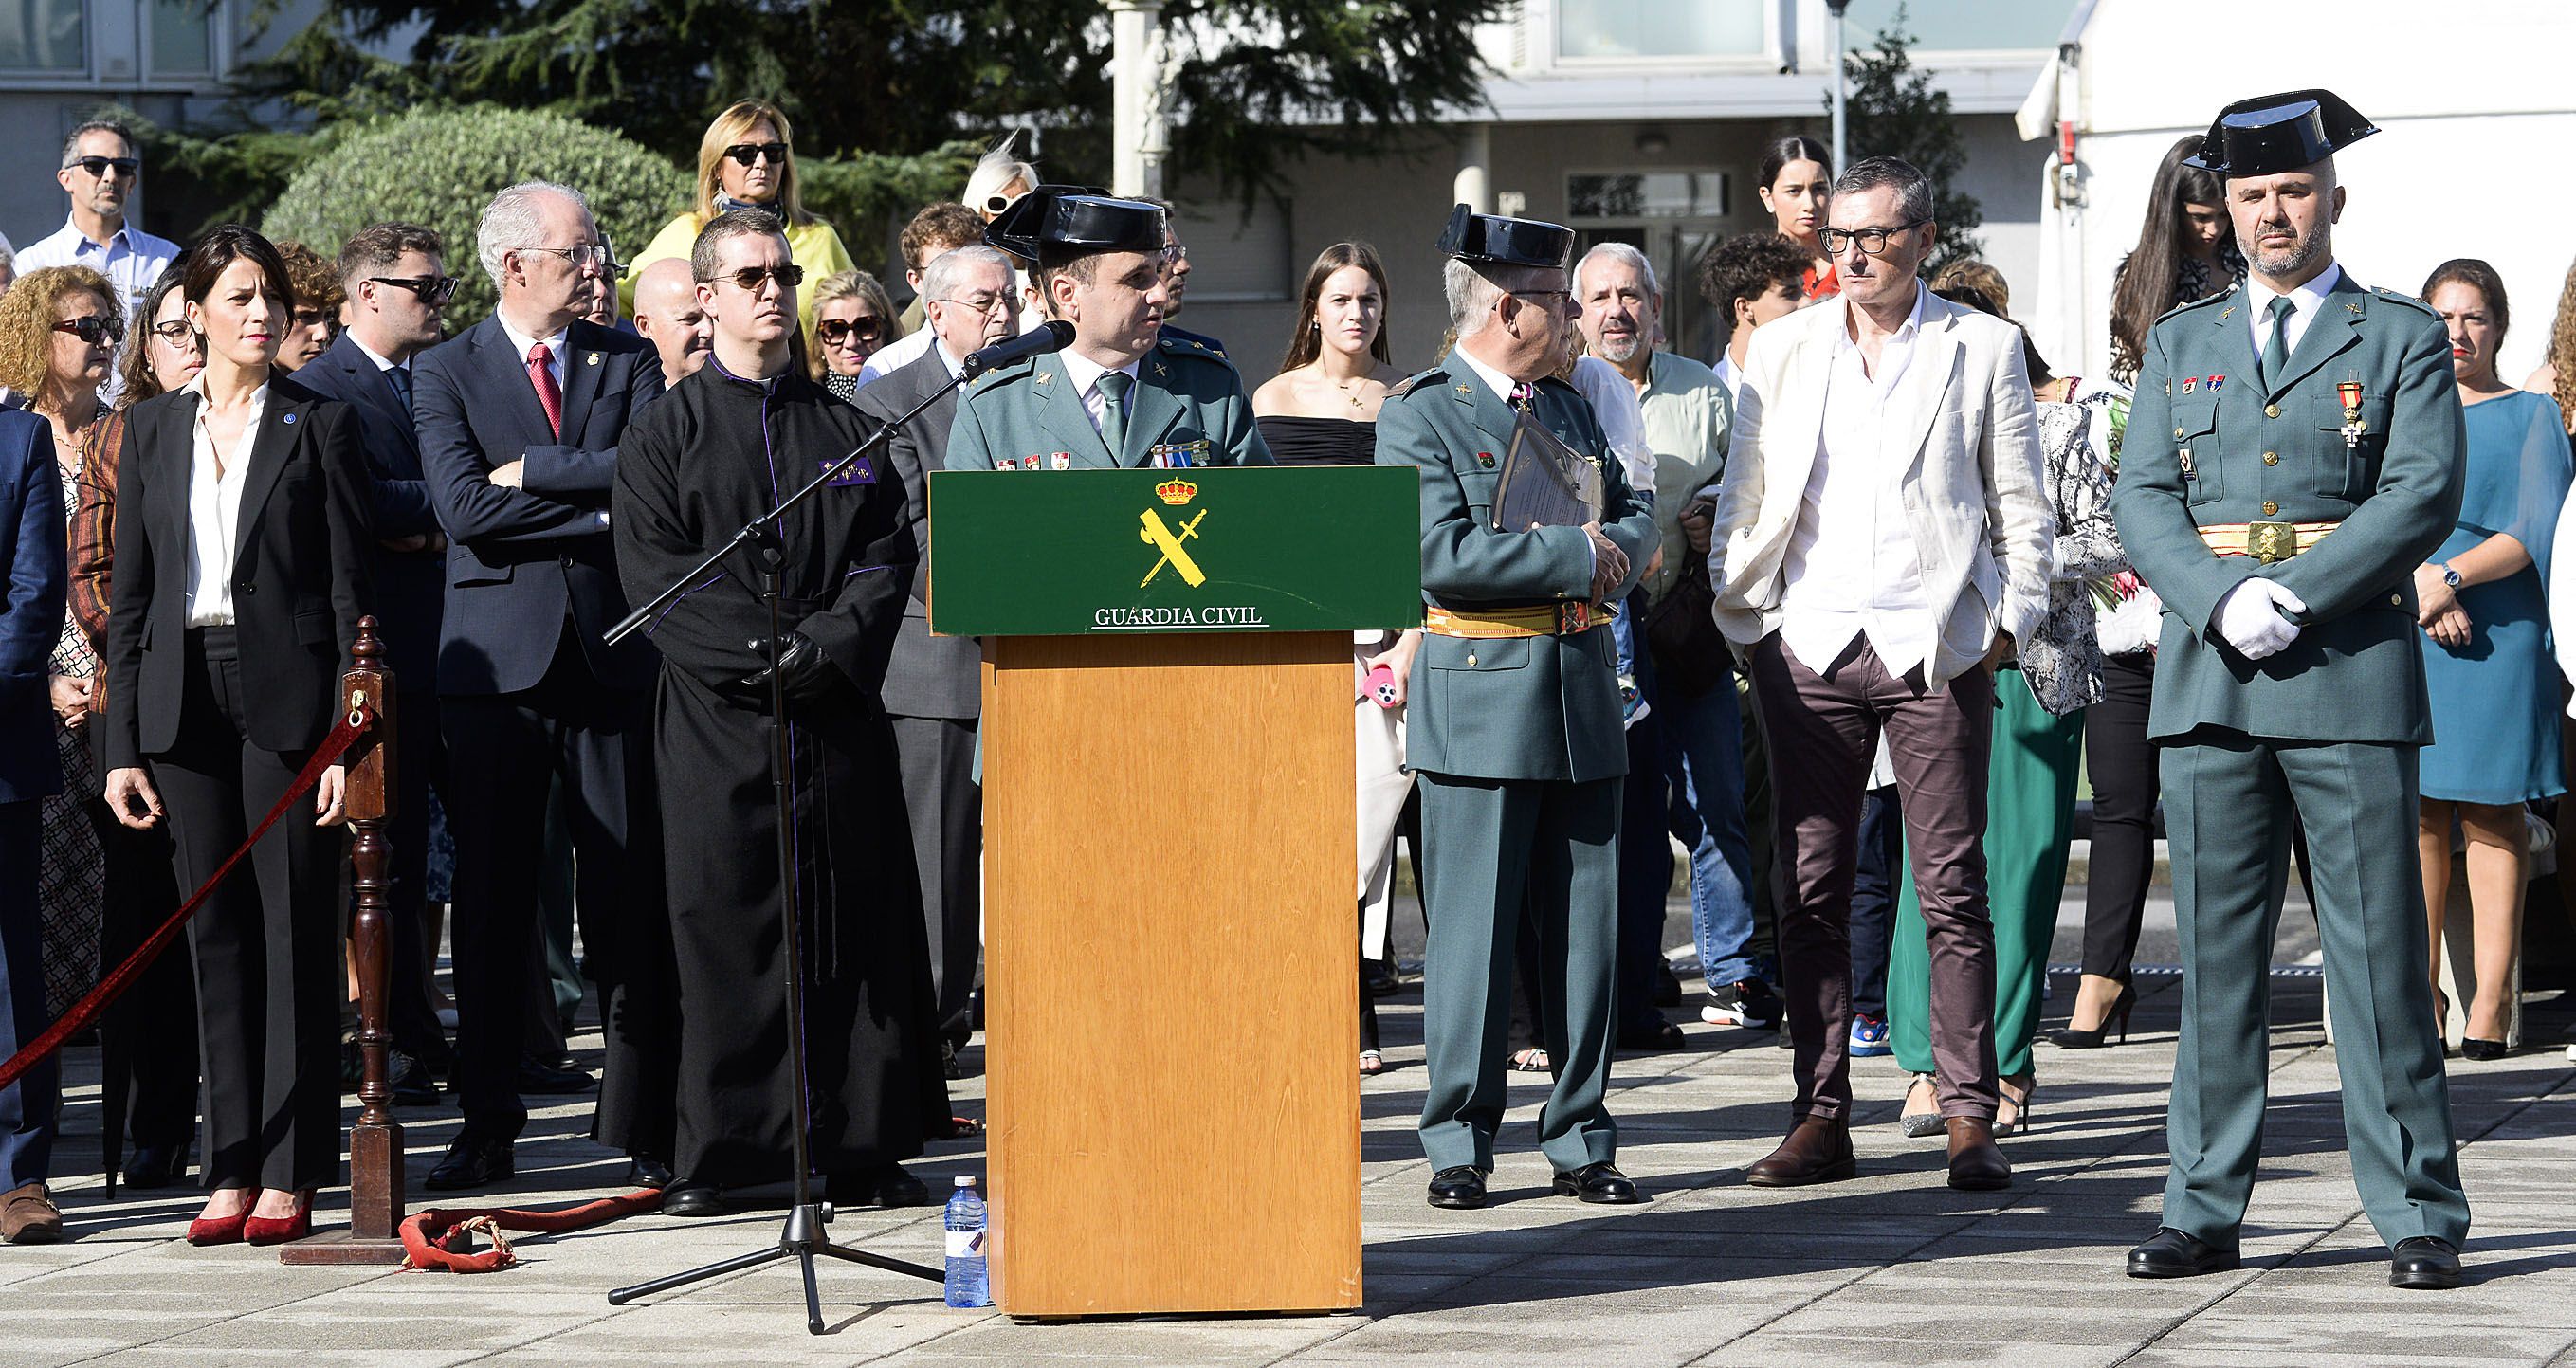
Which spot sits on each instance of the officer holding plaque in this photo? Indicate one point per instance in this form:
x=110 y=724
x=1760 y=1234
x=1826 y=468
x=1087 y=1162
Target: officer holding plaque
x=2293 y=454
x=1515 y=719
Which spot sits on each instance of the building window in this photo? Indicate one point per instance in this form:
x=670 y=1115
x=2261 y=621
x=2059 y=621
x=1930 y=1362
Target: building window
x=182 y=37
x=1645 y=195
x=44 y=35
x=1660 y=28
x=1963 y=28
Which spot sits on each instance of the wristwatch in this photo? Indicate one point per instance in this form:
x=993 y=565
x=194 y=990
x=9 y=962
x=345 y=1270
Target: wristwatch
x=2450 y=576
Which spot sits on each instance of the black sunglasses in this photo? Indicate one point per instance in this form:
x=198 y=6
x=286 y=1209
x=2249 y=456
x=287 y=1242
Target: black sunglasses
x=433 y=290
x=91 y=328
x=866 y=328
x=747 y=153
x=99 y=166
x=749 y=277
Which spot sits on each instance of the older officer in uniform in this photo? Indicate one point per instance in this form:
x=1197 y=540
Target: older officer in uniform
x=2293 y=454
x=1515 y=726
x=1122 y=395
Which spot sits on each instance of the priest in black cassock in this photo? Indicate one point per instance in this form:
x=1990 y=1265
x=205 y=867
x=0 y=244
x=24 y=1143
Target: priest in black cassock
x=721 y=448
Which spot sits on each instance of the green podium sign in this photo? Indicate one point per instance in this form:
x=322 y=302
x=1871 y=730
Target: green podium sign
x=1258 y=549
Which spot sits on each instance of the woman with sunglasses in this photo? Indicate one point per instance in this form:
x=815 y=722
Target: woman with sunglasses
x=236 y=601
x=853 y=320
x=745 y=161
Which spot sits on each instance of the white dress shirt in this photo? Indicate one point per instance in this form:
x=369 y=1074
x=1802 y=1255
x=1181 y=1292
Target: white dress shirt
x=1852 y=569
x=899 y=353
x=1085 y=374
x=520 y=343
x=214 y=511
x=2310 y=299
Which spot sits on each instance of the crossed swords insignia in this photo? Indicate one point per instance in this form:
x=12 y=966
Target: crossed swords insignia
x=1156 y=533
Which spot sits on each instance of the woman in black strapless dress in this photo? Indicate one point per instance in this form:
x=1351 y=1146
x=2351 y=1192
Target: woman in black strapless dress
x=1321 y=409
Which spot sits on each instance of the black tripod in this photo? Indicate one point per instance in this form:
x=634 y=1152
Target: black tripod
x=803 y=1236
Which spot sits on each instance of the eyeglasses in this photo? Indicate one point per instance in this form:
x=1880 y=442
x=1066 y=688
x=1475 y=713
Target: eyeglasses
x=100 y=166
x=91 y=328
x=982 y=304
x=587 y=255
x=1175 y=254
x=864 y=328
x=1556 y=299
x=747 y=153
x=750 y=277
x=1873 y=241
x=433 y=290
x=176 y=332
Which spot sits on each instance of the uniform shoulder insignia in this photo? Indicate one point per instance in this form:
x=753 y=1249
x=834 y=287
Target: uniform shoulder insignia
x=2180 y=309
x=2408 y=300
x=1190 y=346
x=1409 y=383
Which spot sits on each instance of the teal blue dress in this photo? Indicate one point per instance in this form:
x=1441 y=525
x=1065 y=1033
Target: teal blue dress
x=2495 y=698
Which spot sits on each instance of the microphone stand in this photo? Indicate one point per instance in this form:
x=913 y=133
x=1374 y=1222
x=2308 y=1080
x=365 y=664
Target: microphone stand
x=803 y=1236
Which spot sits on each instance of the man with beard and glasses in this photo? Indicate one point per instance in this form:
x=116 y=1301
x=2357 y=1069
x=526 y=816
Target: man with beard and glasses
x=2293 y=454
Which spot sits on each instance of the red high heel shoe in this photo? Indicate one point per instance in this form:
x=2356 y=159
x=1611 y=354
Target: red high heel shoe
x=270 y=1230
x=217 y=1230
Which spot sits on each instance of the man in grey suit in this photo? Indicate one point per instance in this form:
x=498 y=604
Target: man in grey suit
x=932 y=683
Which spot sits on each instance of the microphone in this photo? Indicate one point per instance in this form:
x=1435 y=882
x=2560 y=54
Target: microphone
x=1053 y=335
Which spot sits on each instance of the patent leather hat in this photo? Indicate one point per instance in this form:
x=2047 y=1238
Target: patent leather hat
x=1054 y=222
x=2269 y=134
x=1471 y=236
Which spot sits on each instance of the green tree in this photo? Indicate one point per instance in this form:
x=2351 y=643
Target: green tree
x=1893 y=111
x=440 y=167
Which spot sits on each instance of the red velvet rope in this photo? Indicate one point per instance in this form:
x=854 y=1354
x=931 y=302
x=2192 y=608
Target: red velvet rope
x=424 y=1235
x=85 y=1011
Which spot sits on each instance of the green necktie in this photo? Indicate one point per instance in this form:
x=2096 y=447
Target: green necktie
x=2276 y=349
x=1113 y=408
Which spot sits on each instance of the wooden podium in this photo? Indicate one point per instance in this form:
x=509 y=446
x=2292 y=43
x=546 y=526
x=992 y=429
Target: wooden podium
x=1169 y=884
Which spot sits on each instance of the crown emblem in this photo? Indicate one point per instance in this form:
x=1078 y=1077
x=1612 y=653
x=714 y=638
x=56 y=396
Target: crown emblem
x=1176 y=492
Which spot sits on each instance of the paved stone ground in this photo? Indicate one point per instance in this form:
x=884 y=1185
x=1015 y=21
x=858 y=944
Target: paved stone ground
x=1893 y=1268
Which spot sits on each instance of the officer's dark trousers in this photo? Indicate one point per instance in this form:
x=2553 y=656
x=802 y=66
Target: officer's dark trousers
x=2229 y=804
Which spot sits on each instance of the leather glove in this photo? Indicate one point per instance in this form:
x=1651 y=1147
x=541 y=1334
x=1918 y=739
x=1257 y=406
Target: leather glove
x=805 y=671
x=2249 y=617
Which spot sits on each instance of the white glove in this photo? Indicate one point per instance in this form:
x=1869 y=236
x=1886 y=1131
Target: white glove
x=2249 y=617
x=2131 y=627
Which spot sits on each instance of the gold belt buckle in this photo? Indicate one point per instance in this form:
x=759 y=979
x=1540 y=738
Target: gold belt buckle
x=2267 y=542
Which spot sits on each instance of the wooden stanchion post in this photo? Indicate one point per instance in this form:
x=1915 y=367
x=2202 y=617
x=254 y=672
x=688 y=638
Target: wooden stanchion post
x=375 y=1142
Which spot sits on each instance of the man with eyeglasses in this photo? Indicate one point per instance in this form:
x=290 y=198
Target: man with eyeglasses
x=519 y=422
x=101 y=170
x=1176 y=283
x=1122 y=395
x=1885 y=537
x=391 y=277
x=933 y=686
x=1514 y=734
x=723 y=448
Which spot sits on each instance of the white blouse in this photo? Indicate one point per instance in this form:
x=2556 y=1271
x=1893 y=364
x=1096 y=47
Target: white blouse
x=214 y=512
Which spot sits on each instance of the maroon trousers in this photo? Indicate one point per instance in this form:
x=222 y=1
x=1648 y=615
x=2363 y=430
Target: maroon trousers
x=1823 y=730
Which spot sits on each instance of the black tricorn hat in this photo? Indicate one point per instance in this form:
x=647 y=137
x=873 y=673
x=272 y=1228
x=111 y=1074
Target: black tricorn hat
x=2269 y=134
x=1053 y=222
x=1471 y=236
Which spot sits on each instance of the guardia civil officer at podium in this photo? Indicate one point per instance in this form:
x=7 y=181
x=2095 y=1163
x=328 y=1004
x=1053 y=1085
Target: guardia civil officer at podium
x=2293 y=454
x=1122 y=395
x=1514 y=729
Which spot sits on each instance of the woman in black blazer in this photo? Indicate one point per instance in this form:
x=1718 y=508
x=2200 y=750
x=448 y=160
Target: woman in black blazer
x=240 y=576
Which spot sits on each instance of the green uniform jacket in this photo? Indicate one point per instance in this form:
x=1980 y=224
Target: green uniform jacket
x=1542 y=707
x=1026 y=415
x=2356 y=673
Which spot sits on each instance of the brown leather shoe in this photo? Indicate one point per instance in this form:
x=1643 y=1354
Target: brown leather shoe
x=1818 y=1150
x=1975 y=1164
x=27 y=1216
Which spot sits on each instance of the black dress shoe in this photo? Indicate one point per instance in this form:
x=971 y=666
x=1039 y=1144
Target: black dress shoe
x=888 y=1185
x=2174 y=1254
x=541 y=1078
x=1602 y=1183
x=649 y=1170
x=949 y=1068
x=1460 y=1189
x=2425 y=1262
x=689 y=1197
x=472 y=1161
x=153 y=1166
x=411 y=1081
x=1656 y=1037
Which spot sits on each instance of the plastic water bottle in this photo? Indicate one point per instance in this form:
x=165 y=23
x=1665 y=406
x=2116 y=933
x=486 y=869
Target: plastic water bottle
x=967 y=1281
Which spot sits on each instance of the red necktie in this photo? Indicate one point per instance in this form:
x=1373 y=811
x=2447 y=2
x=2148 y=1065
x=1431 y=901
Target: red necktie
x=541 y=373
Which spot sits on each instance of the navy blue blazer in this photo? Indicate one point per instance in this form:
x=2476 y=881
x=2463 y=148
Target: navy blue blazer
x=410 y=586
x=519 y=560
x=31 y=614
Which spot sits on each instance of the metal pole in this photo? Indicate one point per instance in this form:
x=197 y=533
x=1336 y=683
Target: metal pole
x=1842 y=153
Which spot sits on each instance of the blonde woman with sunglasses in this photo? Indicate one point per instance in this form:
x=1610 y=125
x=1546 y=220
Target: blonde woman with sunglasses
x=747 y=160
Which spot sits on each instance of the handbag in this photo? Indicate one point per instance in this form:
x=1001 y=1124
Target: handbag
x=1690 y=653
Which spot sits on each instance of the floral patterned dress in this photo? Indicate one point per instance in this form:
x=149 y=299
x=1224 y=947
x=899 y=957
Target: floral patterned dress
x=71 y=870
